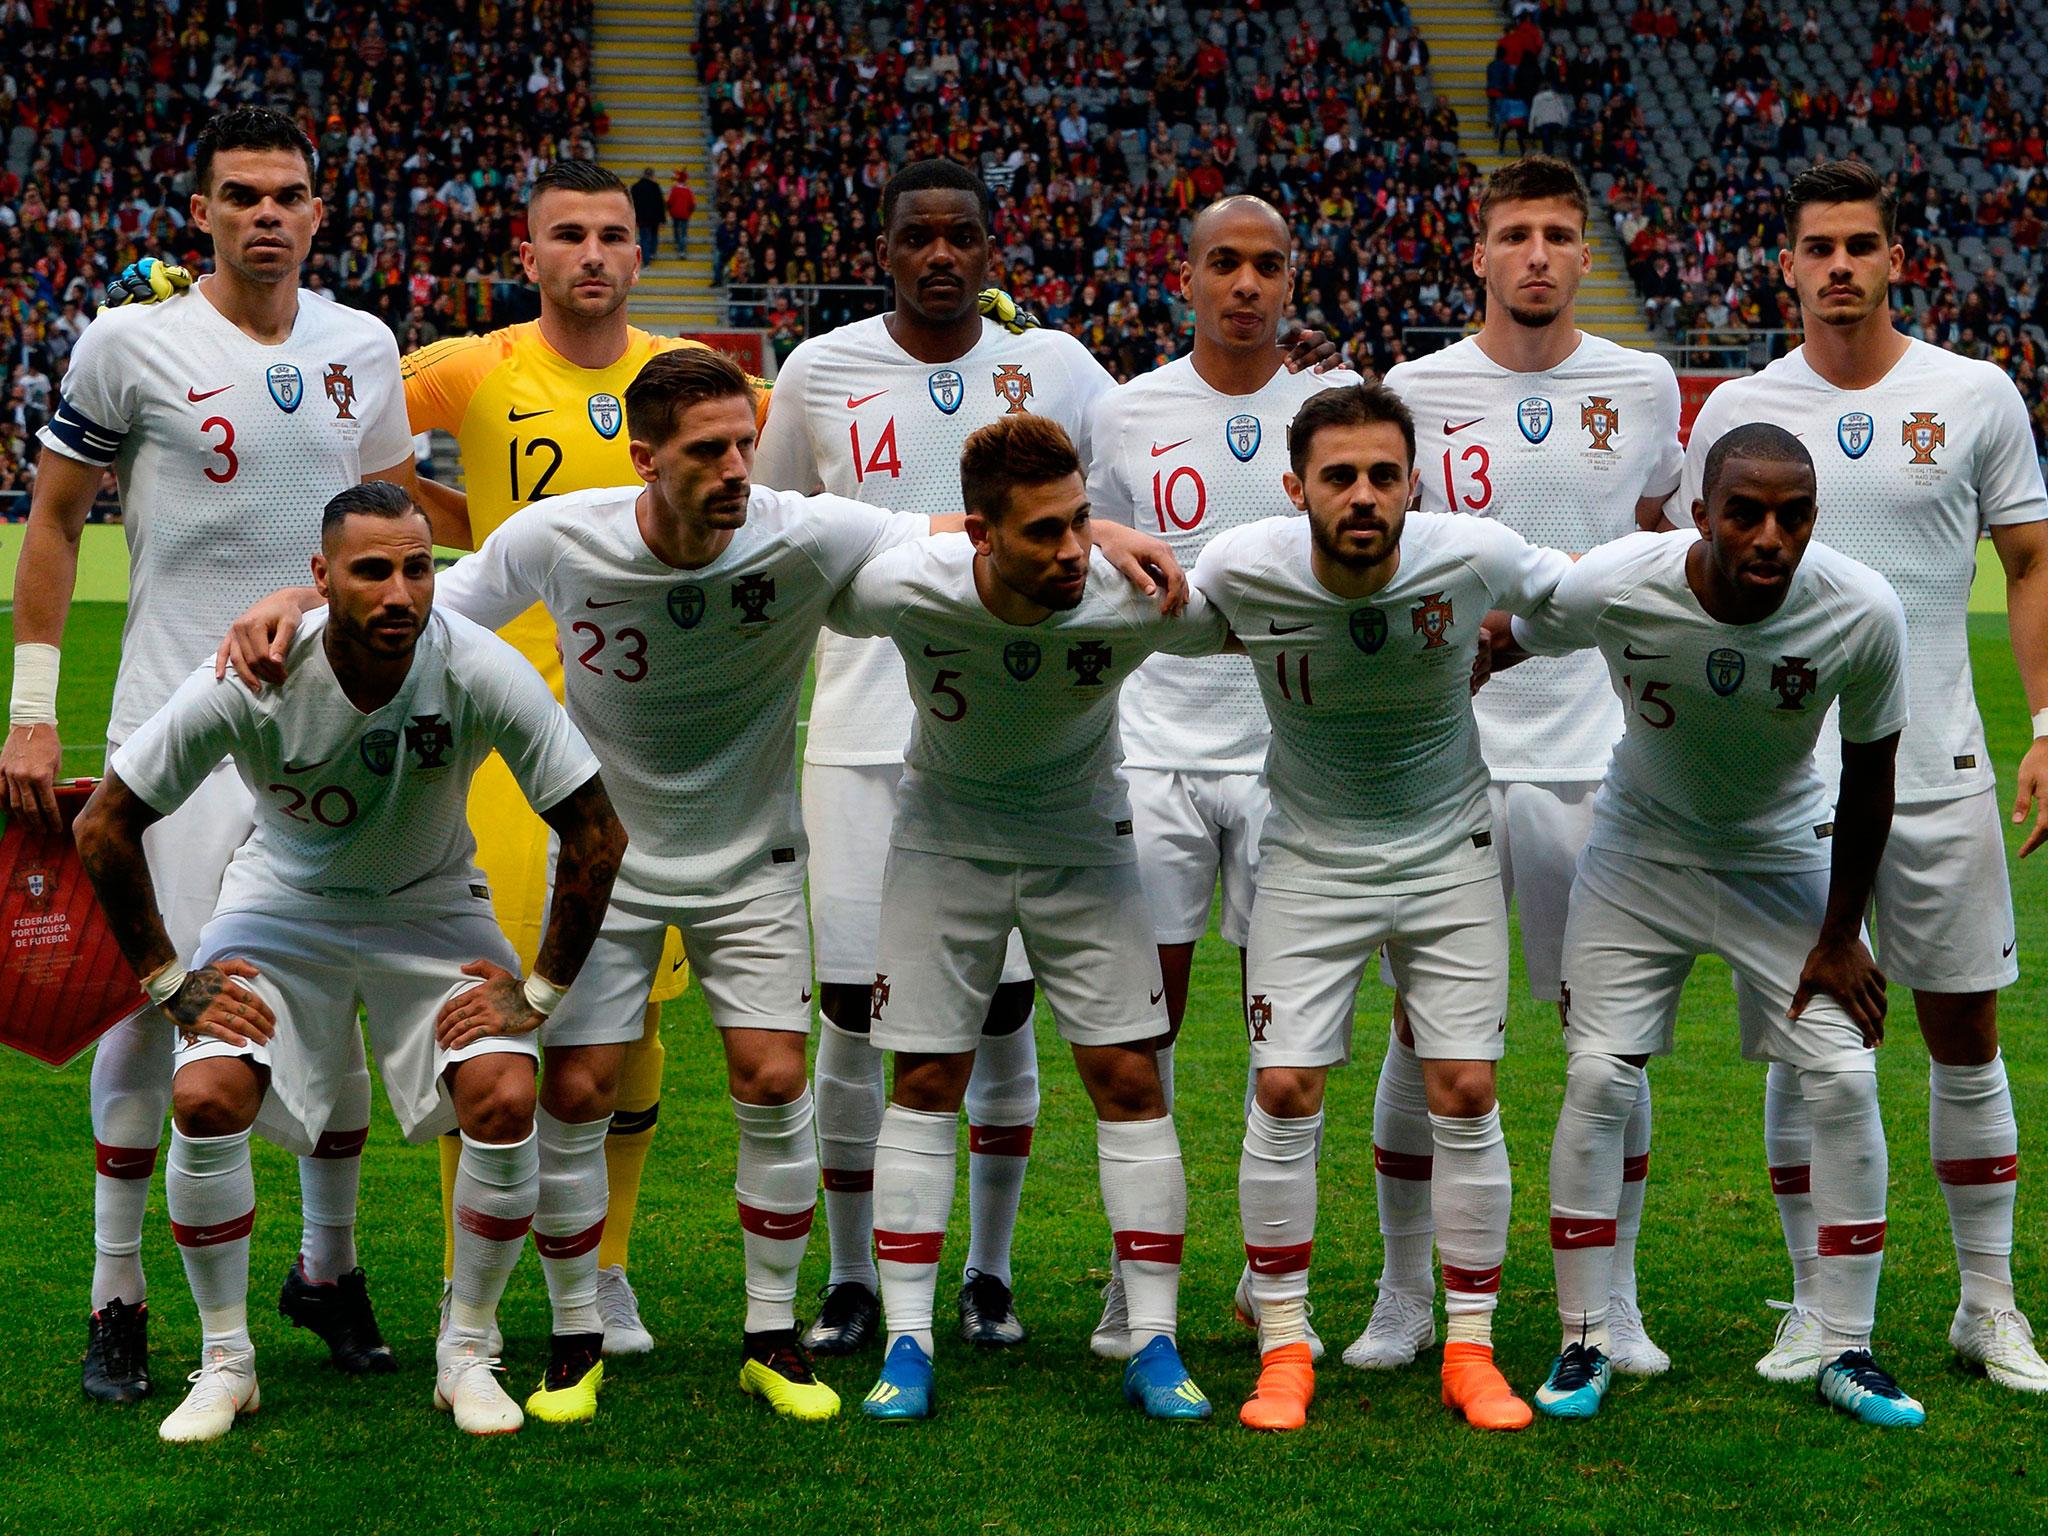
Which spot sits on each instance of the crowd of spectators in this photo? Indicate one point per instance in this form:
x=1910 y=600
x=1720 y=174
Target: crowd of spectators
x=430 y=117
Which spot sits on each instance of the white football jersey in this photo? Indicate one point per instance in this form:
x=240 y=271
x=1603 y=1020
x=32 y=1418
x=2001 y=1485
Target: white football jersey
x=1562 y=457
x=362 y=817
x=1175 y=458
x=685 y=681
x=227 y=451
x=856 y=415
x=1374 y=768
x=1014 y=753
x=1715 y=766
x=1911 y=473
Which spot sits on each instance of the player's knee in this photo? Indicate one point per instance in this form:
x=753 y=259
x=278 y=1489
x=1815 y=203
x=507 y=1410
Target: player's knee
x=769 y=1077
x=1960 y=1028
x=494 y=1097
x=576 y=1089
x=1600 y=1085
x=931 y=1084
x=1290 y=1093
x=1009 y=1010
x=1124 y=1082
x=216 y=1098
x=849 y=1007
x=1459 y=1090
x=1833 y=1097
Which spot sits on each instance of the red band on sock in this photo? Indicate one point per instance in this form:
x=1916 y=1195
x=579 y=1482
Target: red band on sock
x=1149 y=1247
x=999 y=1140
x=338 y=1144
x=1579 y=1232
x=497 y=1229
x=1635 y=1169
x=570 y=1246
x=908 y=1247
x=1401 y=1165
x=849 y=1181
x=1472 y=1282
x=1978 y=1170
x=123 y=1162
x=1289 y=1260
x=776 y=1224
x=206 y=1234
x=1793 y=1180
x=1852 y=1239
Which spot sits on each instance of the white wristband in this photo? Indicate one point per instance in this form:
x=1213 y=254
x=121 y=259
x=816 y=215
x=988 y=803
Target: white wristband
x=542 y=995
x=35 y=685
x=2040 y=723
x=162 y=984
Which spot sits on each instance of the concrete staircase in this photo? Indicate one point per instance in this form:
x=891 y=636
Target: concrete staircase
x=647 y=81
x=1462 y=35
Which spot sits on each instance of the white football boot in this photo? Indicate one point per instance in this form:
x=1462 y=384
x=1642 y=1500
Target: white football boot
x=2001 y=1345
x=624 y=1333
x=1630 y=1349
x=1401 y=1327
x=466 y=1384
x=1796 y=1352
x=223 y=1388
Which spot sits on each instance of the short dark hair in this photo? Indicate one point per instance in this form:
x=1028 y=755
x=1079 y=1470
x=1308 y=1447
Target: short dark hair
x=249 y=128
x=373 y=498
x=574 y=176
x=1762 y=441
x=1347 y=405
x=1012 y=451
x=935 y=176
x=1531 y=179
x=673 y=381
x=1839 y=181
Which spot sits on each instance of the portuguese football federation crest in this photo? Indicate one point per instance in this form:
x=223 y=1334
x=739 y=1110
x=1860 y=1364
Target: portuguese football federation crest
x=1533 y=417
x=1923 y=434
x=1013 y=386
x=1088 y=661
x=430 y=739
x=1792 y=680
x=949 y=389
x=1258 y=1015
x=1369 y=629
x=379 y=749
x=607 y=415
x=685 y=605
x=1242 y=433
x=1021 y=658
x=752 y=595
x=1432 y=620
x=287 y=386
x=1856 y=432
x=1724 y=670
x=341 y=389
x=1601 y=421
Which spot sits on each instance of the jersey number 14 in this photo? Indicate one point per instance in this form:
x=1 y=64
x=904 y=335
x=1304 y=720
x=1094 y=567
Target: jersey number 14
x=884 y=460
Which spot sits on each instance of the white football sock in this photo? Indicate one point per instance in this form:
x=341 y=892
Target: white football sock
x=1145 y=1196
x=847 y=1081
x=329 y=1181
x=1635 y=1172
x=212 y=1198
x=1471 y=1191
x=1002 y=1109
x=130 y=1091
x=568 y=1217
x=1849 y=1171
x=1276 y=1203
x=1788 y=1149
x=1585 y=1188
x=497 y=1186
x=1976 y=1145
x=1402 y=1149
x=776 y=1184
x=915 y=1160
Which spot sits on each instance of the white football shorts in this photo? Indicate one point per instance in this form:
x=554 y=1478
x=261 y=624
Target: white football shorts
x=312 y=975
x=945 y=927
x=752 y=958
x=1193 y=828
x=189 y=851
x=848 y=812
x=1637 y=926
x=1447 y=950
x=1942 y=909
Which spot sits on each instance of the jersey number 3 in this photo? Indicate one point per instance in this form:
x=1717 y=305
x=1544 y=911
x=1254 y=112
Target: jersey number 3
x=230 y=466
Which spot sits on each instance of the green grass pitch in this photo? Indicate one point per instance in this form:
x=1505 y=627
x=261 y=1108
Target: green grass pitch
x=1039 y=1439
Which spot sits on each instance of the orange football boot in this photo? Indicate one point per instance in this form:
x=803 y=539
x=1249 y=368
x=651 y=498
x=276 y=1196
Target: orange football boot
x=1287 y=1384
x=1475 y=1387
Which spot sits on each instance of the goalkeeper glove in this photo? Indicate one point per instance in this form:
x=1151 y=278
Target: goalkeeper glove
x=147 y=281
x=1006 y=312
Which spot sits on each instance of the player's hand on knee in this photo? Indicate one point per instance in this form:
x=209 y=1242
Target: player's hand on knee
x=257 y=641
x=147 y=281
x=498 y=1007
x=1846 y=973
x=2033 y=795
x=1309 y=351
x=1146 y=562
x=214 y=1003
x=28 y=765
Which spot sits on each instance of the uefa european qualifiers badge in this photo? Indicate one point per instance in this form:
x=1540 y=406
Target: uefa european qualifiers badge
x=607 y=415
x=685 y=605
x=948 y=389
x=1021 y=659
x=287 y=386
x=380 y=751
x=1369 y=629
x=1242 y=433
x=1724 y=670
x=1856 y=432
x=1533 y=416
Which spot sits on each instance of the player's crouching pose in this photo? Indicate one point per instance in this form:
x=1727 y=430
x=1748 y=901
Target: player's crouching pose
x=1712 y=834
x=359 y=882
x=1361 y=620
x=1013 y=815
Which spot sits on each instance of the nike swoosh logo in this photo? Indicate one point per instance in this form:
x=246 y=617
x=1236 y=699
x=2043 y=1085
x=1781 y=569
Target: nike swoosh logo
x=210 y=1235
x=613 y=602
x=1278 y=628
x=781 y=1226
x=1572 y=1235
x=1139 y=1250
x=119 y=1165
x=807 y=995
x=935 y=654
x=1998 y=1171
x=307 y=767
x=1157 y=450
x=2006 y=953
x=888 y=1250
x=511 y=415
x=1632 y=654
x=1158 y=995
x=854 y=405
x=1451 y=431
x=195 y=396
x=1864 y=1241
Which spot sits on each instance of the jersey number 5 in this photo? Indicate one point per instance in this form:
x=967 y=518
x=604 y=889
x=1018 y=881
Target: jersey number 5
x=1652 y=708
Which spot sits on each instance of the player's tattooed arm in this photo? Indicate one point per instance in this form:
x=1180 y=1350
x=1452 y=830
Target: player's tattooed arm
x=212 y=1001
x=2023 y=550
x=256 y=642
x=1143 y=560
x=1839 y=963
